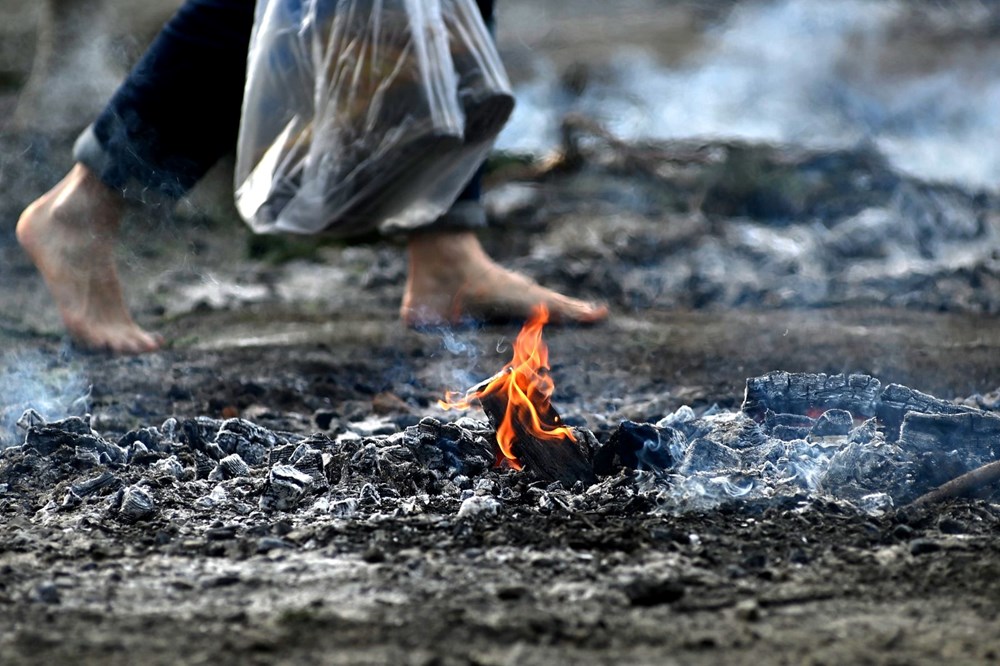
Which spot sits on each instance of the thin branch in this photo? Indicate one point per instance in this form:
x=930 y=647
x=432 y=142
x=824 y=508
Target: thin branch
x=961 y=486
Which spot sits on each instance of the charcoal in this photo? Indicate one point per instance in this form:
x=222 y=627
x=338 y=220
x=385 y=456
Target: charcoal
x=136 y=504
x=875 y=503
x=975 y=436
x=231 y=467
x=199 y=433
x=345 y=508
x=85 y=457
x=281 y=454
x=216 y=498
x=137 y=453
x=706 y=455
x=451 y=448
x=898 y=401
x=860 y=469
x=833 y=423
x=72 y=432
x=865 y=432
x=203 y=465
x=369 y=496
x=106 y=482
x=639 y=446
x=148 y=437
x=771 y=451
x=365 y=462
x=170 y=466
x=169 y=429
x=30 y=419
x=250 y=441
x=683 y=415
x=790 y=433
x=988 y=402
x=802 y=393
x=285 y=488
x=310 y=461
x=732 y=429
x=773 y=420
x=70 y=501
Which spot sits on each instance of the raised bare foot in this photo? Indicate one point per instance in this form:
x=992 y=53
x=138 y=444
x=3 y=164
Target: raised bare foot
x=70 y=233
x=451 y=279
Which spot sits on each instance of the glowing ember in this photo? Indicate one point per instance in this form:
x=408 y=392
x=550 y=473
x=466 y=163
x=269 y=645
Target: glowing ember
x=526 y=386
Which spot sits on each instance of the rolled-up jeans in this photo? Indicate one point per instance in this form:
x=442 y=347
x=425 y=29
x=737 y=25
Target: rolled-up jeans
x=178 y=111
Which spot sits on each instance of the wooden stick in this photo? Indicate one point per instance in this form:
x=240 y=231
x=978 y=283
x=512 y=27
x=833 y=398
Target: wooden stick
x=961 y=485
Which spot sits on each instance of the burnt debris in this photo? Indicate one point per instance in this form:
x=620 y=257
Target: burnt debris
x=843 y=438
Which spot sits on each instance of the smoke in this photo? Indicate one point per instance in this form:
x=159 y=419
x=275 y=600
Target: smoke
x=460 y=355
x=724 y=456
x=49 y=385
x=815 y=73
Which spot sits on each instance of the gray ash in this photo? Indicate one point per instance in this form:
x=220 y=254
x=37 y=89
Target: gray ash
x=796 y=438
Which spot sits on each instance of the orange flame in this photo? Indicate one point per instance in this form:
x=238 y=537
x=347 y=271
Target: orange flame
x=528 y=388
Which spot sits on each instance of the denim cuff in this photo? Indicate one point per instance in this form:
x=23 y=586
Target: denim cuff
x=90 y=152
x=464 y=214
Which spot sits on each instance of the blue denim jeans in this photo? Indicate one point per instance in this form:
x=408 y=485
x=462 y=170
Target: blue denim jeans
x=178 y=111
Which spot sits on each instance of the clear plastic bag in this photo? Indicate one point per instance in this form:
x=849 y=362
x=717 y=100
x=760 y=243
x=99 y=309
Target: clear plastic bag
x=365 y=114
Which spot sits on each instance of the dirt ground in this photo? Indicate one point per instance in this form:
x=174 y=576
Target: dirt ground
x=303 y=338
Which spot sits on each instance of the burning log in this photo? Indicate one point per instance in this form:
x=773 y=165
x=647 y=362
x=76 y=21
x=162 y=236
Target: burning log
x=517 y=402
x=561 y=459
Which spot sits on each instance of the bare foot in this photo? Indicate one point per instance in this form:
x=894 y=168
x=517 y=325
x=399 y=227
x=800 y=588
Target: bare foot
x=70 y=233
x=451 y=279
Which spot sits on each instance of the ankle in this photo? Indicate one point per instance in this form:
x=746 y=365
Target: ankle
x=84 y=192
x=446 y=252
x=77 y=215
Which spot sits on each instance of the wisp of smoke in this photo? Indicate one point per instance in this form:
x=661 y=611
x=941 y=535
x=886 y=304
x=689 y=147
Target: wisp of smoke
x=30 y=380
x=795 y=71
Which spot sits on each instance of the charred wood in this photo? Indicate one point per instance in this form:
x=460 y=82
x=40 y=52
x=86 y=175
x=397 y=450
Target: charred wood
x=948 y=445
x=560 y=460
x=898 y=402
x=962 y=486
x=801 y=393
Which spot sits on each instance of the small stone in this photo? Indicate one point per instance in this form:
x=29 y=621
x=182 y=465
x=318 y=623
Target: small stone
x=286 y=486
x=924 y=546
x=748 y=610
x=267 y=544
x=48 y=593
x=478 y=506
x=137 y=504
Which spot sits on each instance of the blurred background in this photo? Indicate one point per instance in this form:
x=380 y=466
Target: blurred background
x=669 y=153
x=918 y=79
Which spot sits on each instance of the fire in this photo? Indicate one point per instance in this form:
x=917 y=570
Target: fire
x=526 y=386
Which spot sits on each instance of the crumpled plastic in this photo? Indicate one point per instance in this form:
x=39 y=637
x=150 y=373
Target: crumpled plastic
x=365 y=114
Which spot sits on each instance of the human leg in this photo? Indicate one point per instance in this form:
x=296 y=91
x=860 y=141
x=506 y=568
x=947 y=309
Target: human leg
x=174 y=116
x=178 y=112
x=451 y=278
x=70 y=234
